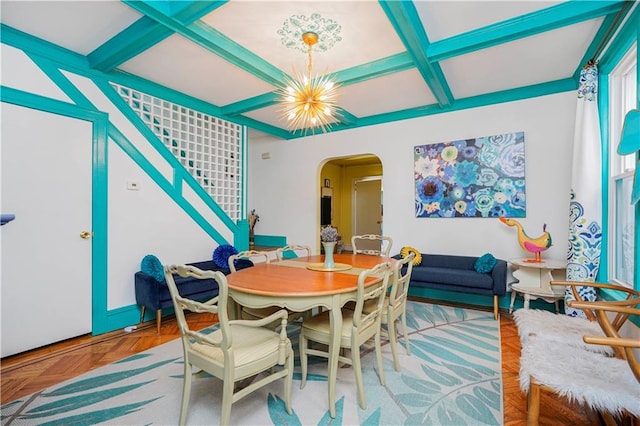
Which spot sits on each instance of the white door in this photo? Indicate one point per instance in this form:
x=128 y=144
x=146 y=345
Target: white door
x=45 y=266
x=368 y=211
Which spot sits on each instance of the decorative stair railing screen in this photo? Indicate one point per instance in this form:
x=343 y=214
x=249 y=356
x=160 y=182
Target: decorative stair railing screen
x=208 y=147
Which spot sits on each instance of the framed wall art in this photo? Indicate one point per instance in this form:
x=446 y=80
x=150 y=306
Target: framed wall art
x=480 y=177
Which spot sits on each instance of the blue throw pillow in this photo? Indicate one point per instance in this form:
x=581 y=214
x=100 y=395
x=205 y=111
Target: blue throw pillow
x=485 y=263
x=221 y=255
x=152 y=266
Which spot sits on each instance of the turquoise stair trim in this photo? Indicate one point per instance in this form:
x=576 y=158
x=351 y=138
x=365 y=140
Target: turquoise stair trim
x=45 y=56
x=122 y=106
x=23 y=41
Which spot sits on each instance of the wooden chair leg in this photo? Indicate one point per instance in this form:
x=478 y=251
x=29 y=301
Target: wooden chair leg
x=533 y=403
x=158 y=319
x=495 y=307
x=142 y=314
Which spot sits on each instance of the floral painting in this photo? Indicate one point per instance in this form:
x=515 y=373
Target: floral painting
x=481 y=177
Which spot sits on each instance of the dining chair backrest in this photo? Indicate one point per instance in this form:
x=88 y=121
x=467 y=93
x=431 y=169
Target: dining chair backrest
x=361 y=244
x=292 y=250
x=217 y=305
x=400 y=283
x=249 y=255
x=377 y=291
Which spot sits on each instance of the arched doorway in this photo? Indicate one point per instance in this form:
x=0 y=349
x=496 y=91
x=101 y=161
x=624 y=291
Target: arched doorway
x=340 y=196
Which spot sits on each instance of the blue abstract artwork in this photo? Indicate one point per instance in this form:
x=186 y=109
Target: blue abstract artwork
x=480 y=177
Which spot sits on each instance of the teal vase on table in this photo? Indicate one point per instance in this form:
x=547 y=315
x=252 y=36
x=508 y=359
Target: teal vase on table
x=328 y=254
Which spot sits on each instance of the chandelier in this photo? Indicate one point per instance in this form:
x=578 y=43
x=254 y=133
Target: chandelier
x=309 y=102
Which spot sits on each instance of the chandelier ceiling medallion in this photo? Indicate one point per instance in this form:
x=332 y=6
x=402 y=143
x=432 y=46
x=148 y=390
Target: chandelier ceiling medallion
x=309 y=102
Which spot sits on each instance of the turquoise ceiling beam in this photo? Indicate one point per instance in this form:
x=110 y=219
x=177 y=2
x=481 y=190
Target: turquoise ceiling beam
x=543 y=89
x=561 y=15
x=250 y=104
x=216 y=42
x=404 y=18
x=374 y=69
x=145 y=33
x=357 y=74
x=348 y=119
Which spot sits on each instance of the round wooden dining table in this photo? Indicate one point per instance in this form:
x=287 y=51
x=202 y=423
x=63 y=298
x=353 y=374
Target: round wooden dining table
x=290 y=284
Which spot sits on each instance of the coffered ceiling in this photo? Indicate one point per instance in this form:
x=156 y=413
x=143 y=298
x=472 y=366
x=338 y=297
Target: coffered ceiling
x=394 y=60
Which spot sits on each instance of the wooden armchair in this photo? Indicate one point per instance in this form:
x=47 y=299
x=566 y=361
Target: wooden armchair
x=565 y=330
x=610 y=385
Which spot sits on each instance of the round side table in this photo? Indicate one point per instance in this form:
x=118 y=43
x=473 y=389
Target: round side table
x=534 y=281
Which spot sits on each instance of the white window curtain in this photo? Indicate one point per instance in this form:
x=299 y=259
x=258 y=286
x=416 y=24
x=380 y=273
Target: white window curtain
x=585 y=206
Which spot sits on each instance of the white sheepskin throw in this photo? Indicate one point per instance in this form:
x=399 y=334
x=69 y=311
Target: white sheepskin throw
x=603 y=383
x=557 y=328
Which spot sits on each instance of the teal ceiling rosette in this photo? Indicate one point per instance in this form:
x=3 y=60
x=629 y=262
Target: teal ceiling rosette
x=328 y=32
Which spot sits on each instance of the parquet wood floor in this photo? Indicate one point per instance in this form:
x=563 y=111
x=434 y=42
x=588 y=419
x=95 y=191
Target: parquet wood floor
x=34 y=370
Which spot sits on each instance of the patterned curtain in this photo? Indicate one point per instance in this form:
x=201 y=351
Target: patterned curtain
x=585 y=206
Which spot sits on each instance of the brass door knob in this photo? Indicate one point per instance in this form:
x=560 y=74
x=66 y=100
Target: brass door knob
x=86 y=235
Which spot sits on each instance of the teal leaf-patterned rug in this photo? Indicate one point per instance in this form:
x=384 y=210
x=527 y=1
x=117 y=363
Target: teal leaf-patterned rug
x=452 y=377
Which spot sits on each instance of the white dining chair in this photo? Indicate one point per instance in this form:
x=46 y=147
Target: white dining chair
x=361 y=244
x=236 y=351
x=394 y=307
x=258 y=313
x=292 y=249
x=357 y=328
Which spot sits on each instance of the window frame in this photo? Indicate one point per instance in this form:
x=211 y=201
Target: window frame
x=622 y=82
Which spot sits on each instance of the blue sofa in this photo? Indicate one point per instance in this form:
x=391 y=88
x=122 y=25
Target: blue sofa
x=457 y=273
x=155 y=295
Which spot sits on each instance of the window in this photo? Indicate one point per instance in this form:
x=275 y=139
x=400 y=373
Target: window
x=623 y=97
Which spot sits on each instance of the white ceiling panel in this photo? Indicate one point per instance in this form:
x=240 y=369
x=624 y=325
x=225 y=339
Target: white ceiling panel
x=365 y=32
x=202 y=74
x=444 y=19
x=80 y=26
x=393 y=92
x=537 y=59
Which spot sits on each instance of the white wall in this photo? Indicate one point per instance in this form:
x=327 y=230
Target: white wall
x=284 y=189
x=144 y=222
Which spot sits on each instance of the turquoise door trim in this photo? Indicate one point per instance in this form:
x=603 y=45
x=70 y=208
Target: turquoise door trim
x=99 y=192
